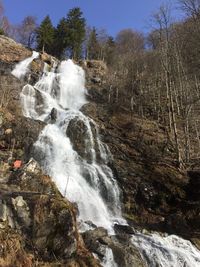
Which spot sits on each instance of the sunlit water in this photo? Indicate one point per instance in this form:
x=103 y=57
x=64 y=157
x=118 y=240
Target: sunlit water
x=22 y=68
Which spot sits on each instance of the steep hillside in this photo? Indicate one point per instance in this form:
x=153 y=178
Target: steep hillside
x=41 y=224
x=157 y=194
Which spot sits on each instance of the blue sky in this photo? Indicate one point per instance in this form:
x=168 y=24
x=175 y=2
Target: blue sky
x=112 y=15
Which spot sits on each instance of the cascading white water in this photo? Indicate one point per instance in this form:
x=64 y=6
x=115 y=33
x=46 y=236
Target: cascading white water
x=168 y=251
x=87 y=181
x=90 y=184
x=109 y=260
x=22 y=68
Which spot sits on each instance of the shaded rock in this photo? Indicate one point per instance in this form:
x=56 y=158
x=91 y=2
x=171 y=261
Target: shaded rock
x=79 y=135
x=124 y=252
x=193 y=187
x=124 y=229
x=53 y=115
x=24 y=134
x=85 y=139
x=54 y=227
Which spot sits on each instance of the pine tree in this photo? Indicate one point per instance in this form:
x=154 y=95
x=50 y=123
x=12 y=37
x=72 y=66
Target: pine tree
x=110 y=50
x=45 y=35
x=1 y=32
x=76 y=32
x=93 y=45
x=60 y=43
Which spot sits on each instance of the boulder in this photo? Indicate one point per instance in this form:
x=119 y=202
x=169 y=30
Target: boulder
x=124 y=252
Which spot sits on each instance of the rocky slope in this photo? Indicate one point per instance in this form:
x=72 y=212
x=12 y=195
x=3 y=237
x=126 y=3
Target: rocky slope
x=41 y=224
x=156 y=194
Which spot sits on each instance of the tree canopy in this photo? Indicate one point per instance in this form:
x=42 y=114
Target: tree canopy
x=46 y=35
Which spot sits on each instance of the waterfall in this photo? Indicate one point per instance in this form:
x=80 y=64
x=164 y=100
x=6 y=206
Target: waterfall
x=70 y=150
x=83 y=179
x=21 y=68
x=167 y=251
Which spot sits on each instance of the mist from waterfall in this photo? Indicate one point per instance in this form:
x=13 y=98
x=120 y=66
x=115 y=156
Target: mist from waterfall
x=85 y=178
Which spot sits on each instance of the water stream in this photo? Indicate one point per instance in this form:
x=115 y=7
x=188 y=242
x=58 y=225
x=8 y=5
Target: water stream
x=71 y=152
x=22 y=68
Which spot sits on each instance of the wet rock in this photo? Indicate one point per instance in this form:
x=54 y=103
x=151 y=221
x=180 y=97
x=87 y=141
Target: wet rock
x=86 y=141
x=78 y=133
x=92 y=240
x=24 y=134
x=124 y=252
x=53 y=115
x=124 y=229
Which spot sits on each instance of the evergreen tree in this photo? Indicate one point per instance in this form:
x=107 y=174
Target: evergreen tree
x=60 y=43
x=76 y=32
x=110 y=50
x=45 y=35
x=1 y=31
x=93 y=45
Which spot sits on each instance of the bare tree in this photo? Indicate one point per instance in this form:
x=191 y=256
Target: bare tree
x=129 y=41
x=4 y=22
x=27 y=31
x=191 y=7
x=163 y=19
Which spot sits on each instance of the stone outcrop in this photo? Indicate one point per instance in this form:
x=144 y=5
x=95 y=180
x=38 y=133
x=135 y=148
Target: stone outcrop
x=40 y=222
x=10 y=51
x=18 y=134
